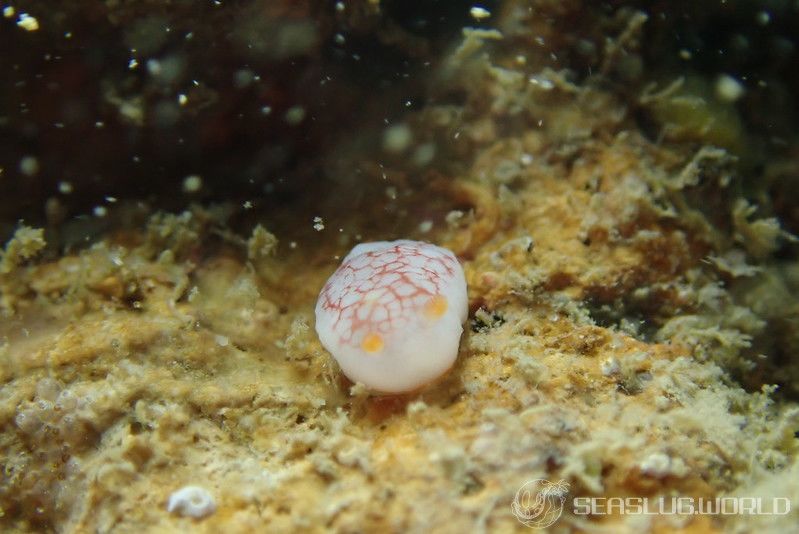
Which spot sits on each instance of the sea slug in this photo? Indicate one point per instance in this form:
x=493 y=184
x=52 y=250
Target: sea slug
x=392 y=313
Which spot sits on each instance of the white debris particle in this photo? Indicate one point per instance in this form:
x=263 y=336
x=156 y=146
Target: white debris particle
x=194 y=292
x=526 y=159
x=292 y=244
x=192 y=183
x=339 y=39
x=610 y=366
x=397 y=138
x=266 y=110
x=424 y=154
x=425 y=226
x=454 y=218
x=182 y=99
x=656 y=464
x=27 y=23
x=191 y=501
x=247 y=205
x=685 y=54
x=763 y=18
x=8 y=12
x=132 y=64
x=659 y=465
x=64 y=188
x=154 y=67
x=479 y=13
x=111 y=199
x=416 y=407
x=29 y=166
x=243 y=77
x=544 y=83
x=100 y=211
x=318 y=224
x=222 y=341
x=728 y=88
x=391 y=192
x=295 y=115
x=339 y=6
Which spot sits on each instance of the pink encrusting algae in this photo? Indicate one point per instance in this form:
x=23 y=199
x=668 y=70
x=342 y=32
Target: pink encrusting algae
x=392 y=312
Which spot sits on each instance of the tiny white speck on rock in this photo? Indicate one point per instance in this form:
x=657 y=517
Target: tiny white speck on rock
x=191 y=501
x=542 y=82
x=659 y=465
x=318 y=224
x=610 y=366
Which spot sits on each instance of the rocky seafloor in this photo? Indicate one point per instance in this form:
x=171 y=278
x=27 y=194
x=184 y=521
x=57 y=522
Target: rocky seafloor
x=178 y=180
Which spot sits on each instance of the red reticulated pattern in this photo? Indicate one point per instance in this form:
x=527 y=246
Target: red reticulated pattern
x=381 y=291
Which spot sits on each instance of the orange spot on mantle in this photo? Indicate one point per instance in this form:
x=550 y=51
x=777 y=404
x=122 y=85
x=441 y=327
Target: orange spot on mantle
x=372 y=342
x=436 y=307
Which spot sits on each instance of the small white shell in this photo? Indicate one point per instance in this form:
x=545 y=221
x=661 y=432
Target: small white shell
x=191 y=501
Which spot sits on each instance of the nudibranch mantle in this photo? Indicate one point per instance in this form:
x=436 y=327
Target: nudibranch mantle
x=392 y=314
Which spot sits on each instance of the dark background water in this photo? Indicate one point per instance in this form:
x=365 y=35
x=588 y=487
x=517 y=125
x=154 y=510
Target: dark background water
x=90 y=102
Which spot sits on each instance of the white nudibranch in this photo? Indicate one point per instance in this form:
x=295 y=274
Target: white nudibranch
x=392 y=314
